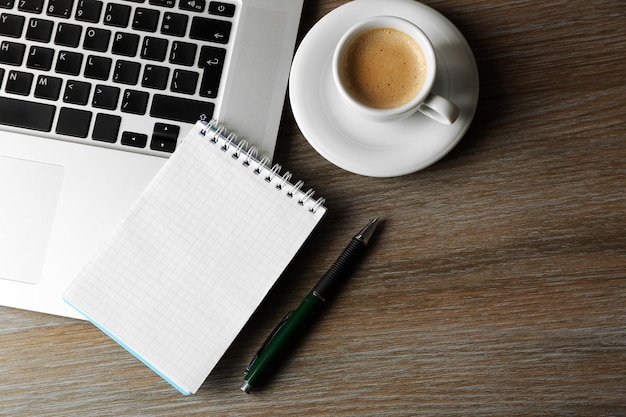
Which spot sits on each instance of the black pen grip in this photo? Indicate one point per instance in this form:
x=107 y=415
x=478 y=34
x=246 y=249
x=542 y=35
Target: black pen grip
x=340 y=270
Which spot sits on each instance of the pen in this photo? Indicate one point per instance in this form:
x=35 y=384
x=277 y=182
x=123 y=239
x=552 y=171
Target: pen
x=296 y=322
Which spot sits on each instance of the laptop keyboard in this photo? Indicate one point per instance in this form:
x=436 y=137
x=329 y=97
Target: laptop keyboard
x=126 y=74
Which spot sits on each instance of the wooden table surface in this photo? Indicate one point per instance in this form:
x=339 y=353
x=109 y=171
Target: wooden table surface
x=495 y=286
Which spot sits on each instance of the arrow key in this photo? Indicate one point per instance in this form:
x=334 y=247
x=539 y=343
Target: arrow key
x=137 y=140
x=164 y=137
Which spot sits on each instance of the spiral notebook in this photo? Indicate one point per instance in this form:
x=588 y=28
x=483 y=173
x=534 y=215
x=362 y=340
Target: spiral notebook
x=195 y=256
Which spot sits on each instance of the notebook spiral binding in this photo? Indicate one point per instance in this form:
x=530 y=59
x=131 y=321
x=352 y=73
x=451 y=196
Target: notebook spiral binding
x=229 y=142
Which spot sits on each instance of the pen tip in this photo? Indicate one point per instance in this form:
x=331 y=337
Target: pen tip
x=366 y=233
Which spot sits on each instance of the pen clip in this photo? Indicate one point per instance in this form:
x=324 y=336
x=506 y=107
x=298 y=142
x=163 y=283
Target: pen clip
x=268 y=339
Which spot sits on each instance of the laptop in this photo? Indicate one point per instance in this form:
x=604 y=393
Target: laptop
x=95 y=94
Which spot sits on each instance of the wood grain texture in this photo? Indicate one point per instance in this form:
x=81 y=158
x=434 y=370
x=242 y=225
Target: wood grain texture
x=495 y=287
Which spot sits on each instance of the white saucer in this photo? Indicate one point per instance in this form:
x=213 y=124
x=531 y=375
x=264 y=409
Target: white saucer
x=371 y=148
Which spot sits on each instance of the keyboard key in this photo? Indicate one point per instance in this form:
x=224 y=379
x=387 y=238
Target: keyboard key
x=97 y=39
x=210 y=30
x=154 y=49
x=73 y=122
x=117 y=15
x=40 y=58
x=221 y=9
x=6 y=4
x=181 y=109
x=184 y=81
x=105 y=97
x=155 y=77
x=31 y=6
x=11 y=25
x=76 y=92
x=135 y=102
x=106 y=128
x=192 y=5
x=212 y=58
x=60 y=8
x=210 y=84
x=89 y=11
x=146 y=20
x=12 y=53
x=137 y=140
x=183 y=53
x=48 y=87
x=126 y=72
x=164 y=137
x=19 y=82
x=69 y=63
x=212 y=61
x=125 y=44
x=174 y=24
x=26 y=114
x=98 y=67
x=162 y=3
x=68 y=35
x=39 y=30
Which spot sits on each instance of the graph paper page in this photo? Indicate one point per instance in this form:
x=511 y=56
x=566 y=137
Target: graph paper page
x=195 y=256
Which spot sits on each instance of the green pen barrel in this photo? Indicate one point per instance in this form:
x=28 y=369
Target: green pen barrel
x=283 y=340
x=296 y=323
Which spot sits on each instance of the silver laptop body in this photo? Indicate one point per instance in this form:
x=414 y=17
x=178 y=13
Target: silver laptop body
x=67 y=178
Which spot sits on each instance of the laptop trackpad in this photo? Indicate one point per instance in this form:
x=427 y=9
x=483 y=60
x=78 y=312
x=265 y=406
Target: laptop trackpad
x=29 y=193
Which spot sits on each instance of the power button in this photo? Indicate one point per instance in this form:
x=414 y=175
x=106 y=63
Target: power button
x=221 y=9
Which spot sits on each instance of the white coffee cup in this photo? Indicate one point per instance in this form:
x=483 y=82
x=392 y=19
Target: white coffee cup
x=385 y=68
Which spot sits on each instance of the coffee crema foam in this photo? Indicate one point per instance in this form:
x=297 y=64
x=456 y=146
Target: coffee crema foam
x=384 y=68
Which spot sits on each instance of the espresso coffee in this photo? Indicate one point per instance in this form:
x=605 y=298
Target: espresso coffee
x=384 y=68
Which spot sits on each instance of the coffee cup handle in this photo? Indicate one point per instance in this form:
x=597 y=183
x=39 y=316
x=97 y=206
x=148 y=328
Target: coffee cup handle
x=439 y=109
